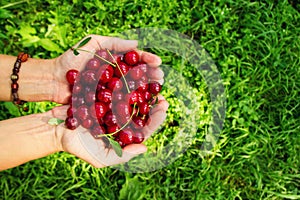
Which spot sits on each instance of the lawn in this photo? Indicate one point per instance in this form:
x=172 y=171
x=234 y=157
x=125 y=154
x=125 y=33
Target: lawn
x=255 y=46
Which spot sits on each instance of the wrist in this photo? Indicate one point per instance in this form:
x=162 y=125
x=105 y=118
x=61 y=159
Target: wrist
x=36 y=81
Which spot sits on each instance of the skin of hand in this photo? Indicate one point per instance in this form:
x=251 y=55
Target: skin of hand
x=75 y=142
x=69 y=61
x=30 y=137
x=36 y=138
x=79 y=142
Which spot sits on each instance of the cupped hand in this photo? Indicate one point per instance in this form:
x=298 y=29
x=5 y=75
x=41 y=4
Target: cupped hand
x=82 y=144
x=69 y=60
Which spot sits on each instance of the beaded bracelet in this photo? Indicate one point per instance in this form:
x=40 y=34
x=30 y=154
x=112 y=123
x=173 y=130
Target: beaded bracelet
x=22 y=57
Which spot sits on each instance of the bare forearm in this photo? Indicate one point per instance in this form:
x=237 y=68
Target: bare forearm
x=26 y=138
x=36 y=80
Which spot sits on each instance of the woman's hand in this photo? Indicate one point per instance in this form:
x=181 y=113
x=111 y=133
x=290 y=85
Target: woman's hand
x=69 y=61
x=81 y=143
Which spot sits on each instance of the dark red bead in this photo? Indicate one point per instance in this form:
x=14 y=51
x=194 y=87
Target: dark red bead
x=15 y=87
x=23 y=57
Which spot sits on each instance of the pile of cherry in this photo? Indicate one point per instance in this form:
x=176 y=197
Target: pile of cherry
x=112 y=98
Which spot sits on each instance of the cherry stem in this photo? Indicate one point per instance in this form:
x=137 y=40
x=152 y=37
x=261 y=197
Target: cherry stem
x=128 y=90
x=111 y=134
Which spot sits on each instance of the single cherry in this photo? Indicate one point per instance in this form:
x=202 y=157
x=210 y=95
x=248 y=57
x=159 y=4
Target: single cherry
x=76 y=89
x=82 y=112
x=131 y=58
x=71 y=110
x=126 y=136
x=104 y=95
x=135 y=73
x=89 y=77
x=110 y=119
x=105 y=73
x=103 y=54
x=90 y=97
x=115 y=84
x=123 y=67
x=154 y=88
x=142 y=86
x=138 y=137
x=93 y=64
x=87 y=123
x=72 y=75
x=113 y=129
x=139 y=122
x=98 y=110
x=71 y=123
x=144 y=108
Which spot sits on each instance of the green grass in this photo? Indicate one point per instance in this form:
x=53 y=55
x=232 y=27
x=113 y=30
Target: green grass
x=256 y=47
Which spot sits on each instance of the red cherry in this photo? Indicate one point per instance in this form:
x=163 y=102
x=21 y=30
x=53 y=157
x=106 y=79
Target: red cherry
x=147 y=95
x=70 y=112
x=72 y=75
x=76 y=89
x=123 y=67
x=87 y=123
x=104 y=96
x=97 y=131
x=117 y=96
x=89 y=77
x=139 y=122
x=82 y=112
x=71 y=123
x=115 y=84
x=126 y=136
x=103 y=54
x=105 y=73
x=98 y=110
x=142 y=86
x=131 y=58
x=90 y=97
x=100 y=86
x=113 y=129
x=93 y=64
x=154 y=88
x=116 y=58
x=110 y=119
x=142 y=66
x=76 y=101
x=132 y=98
x=144 y=108
x=131 y=85
x=123 y=109
x=138 y=137
x=135 y=73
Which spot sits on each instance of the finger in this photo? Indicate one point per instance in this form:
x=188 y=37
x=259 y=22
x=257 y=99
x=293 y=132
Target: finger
x=116 y=44
x=151 y=59
x=60 y=112
x=156 y=118
x=130 y=151
x=156 y=74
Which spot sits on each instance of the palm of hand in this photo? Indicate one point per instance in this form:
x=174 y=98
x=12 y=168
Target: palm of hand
x=79 y=142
